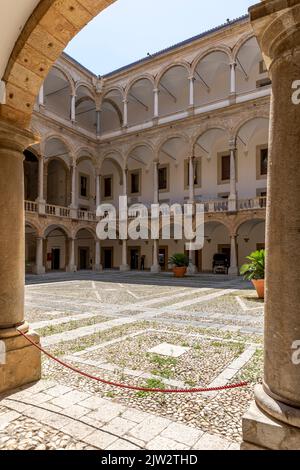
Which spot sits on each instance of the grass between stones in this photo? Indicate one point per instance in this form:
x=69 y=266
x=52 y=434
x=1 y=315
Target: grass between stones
x=72 y=325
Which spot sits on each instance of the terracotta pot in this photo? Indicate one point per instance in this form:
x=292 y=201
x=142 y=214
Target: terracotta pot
x=179 y=271
x=260 y=287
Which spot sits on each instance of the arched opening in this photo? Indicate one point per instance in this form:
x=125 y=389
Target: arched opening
x=56 y=248
x=212 y=150
x=86 y=189
x=212 y=78
x=173 y=91
x=140 y=186
x=85 y=250
x=112 y=178
x=252 y=146
x=251 y=237
x=173 y=154
x=31 y=175
x=85 y=109
x=57 y=93
x=57 y=173
x=112 y=111
x=251 y=72
x=30 y=248
x=140 y=102
x=216 y=241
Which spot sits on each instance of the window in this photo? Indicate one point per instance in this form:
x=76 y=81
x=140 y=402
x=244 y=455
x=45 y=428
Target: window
x=163 y=178
x=135 y=182
x=262 y=155
x=225 y=168
x=264 y=161
x=83 y=186
x=107 y=187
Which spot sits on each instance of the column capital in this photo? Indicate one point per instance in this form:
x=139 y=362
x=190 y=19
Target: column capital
x=276 y=25
x=14 y=138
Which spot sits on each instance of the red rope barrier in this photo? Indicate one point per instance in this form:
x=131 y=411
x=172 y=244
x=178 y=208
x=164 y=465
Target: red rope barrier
x=132 y=387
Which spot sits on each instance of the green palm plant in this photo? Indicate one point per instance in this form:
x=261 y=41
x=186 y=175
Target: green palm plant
x=254 y=270
x=179 y=260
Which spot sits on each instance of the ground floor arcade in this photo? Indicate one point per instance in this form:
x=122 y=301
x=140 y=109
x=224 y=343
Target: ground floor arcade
x=58 y=249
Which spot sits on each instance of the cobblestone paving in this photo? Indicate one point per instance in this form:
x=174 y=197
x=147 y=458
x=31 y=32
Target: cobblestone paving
x=104 y=324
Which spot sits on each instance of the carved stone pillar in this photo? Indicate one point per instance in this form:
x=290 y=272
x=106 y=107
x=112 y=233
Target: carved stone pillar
x=22 y=362
x=273 y=421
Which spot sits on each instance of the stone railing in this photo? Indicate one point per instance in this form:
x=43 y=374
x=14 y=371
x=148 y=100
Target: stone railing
x=31 y=206
x=210 y=206
x=255 y=203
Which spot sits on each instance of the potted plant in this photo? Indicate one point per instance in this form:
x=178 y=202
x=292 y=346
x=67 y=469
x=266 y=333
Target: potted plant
x=180 y=262
x=255 y=271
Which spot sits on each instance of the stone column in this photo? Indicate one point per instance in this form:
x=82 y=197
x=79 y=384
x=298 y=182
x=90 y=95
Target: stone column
x=41 y=97
x=98 y=265
x=232 y=200
x=125 y=114
x=124 y=266
x=191 y=180
x=73 y=108
x=156 y=103
x=155 y=183
x=125 y=173
x=273 y=421
x=98 y=190
x=23 y=361
x=40 y=268
x=155 y=268
x=233 y=270
x=73 y=207
x=191 y=98
x=40 y=200
x=98 y=122
x=71 y=268
x=233 y=78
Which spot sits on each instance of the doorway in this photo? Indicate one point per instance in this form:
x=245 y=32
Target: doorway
x=55 y=259
x=198 y=260
x=134 y=256
x=83 y=256
x=107 y=256
x=163 y=258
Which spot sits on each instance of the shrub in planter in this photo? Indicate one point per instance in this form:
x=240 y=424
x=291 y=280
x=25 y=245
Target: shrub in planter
x=255 y=271
x=180 y=262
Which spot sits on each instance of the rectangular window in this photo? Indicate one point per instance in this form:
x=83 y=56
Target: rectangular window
x=225 y=168
x=135 y=182
x=83 y=186
x=264 y=153
x=108 y=187
x=163 y=178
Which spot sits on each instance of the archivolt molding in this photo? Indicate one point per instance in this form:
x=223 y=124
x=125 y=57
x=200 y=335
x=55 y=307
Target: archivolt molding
x=220 y=48
x=166 y=68
x=144 y=76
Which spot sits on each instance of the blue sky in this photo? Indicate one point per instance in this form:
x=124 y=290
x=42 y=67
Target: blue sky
x=129 y=29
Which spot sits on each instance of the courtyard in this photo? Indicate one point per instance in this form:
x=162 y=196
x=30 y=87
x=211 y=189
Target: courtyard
x=144 y=330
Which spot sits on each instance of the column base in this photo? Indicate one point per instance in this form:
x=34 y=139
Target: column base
x=232 y=205
x=124 y=268
x=73 y=213
x=41 y=206
x=233 y=271
x=71 y=269
x=98 y=268
x=191 y=269
x=155 y=269
x=39 y=270
x=21 y=363
x=270 y=424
